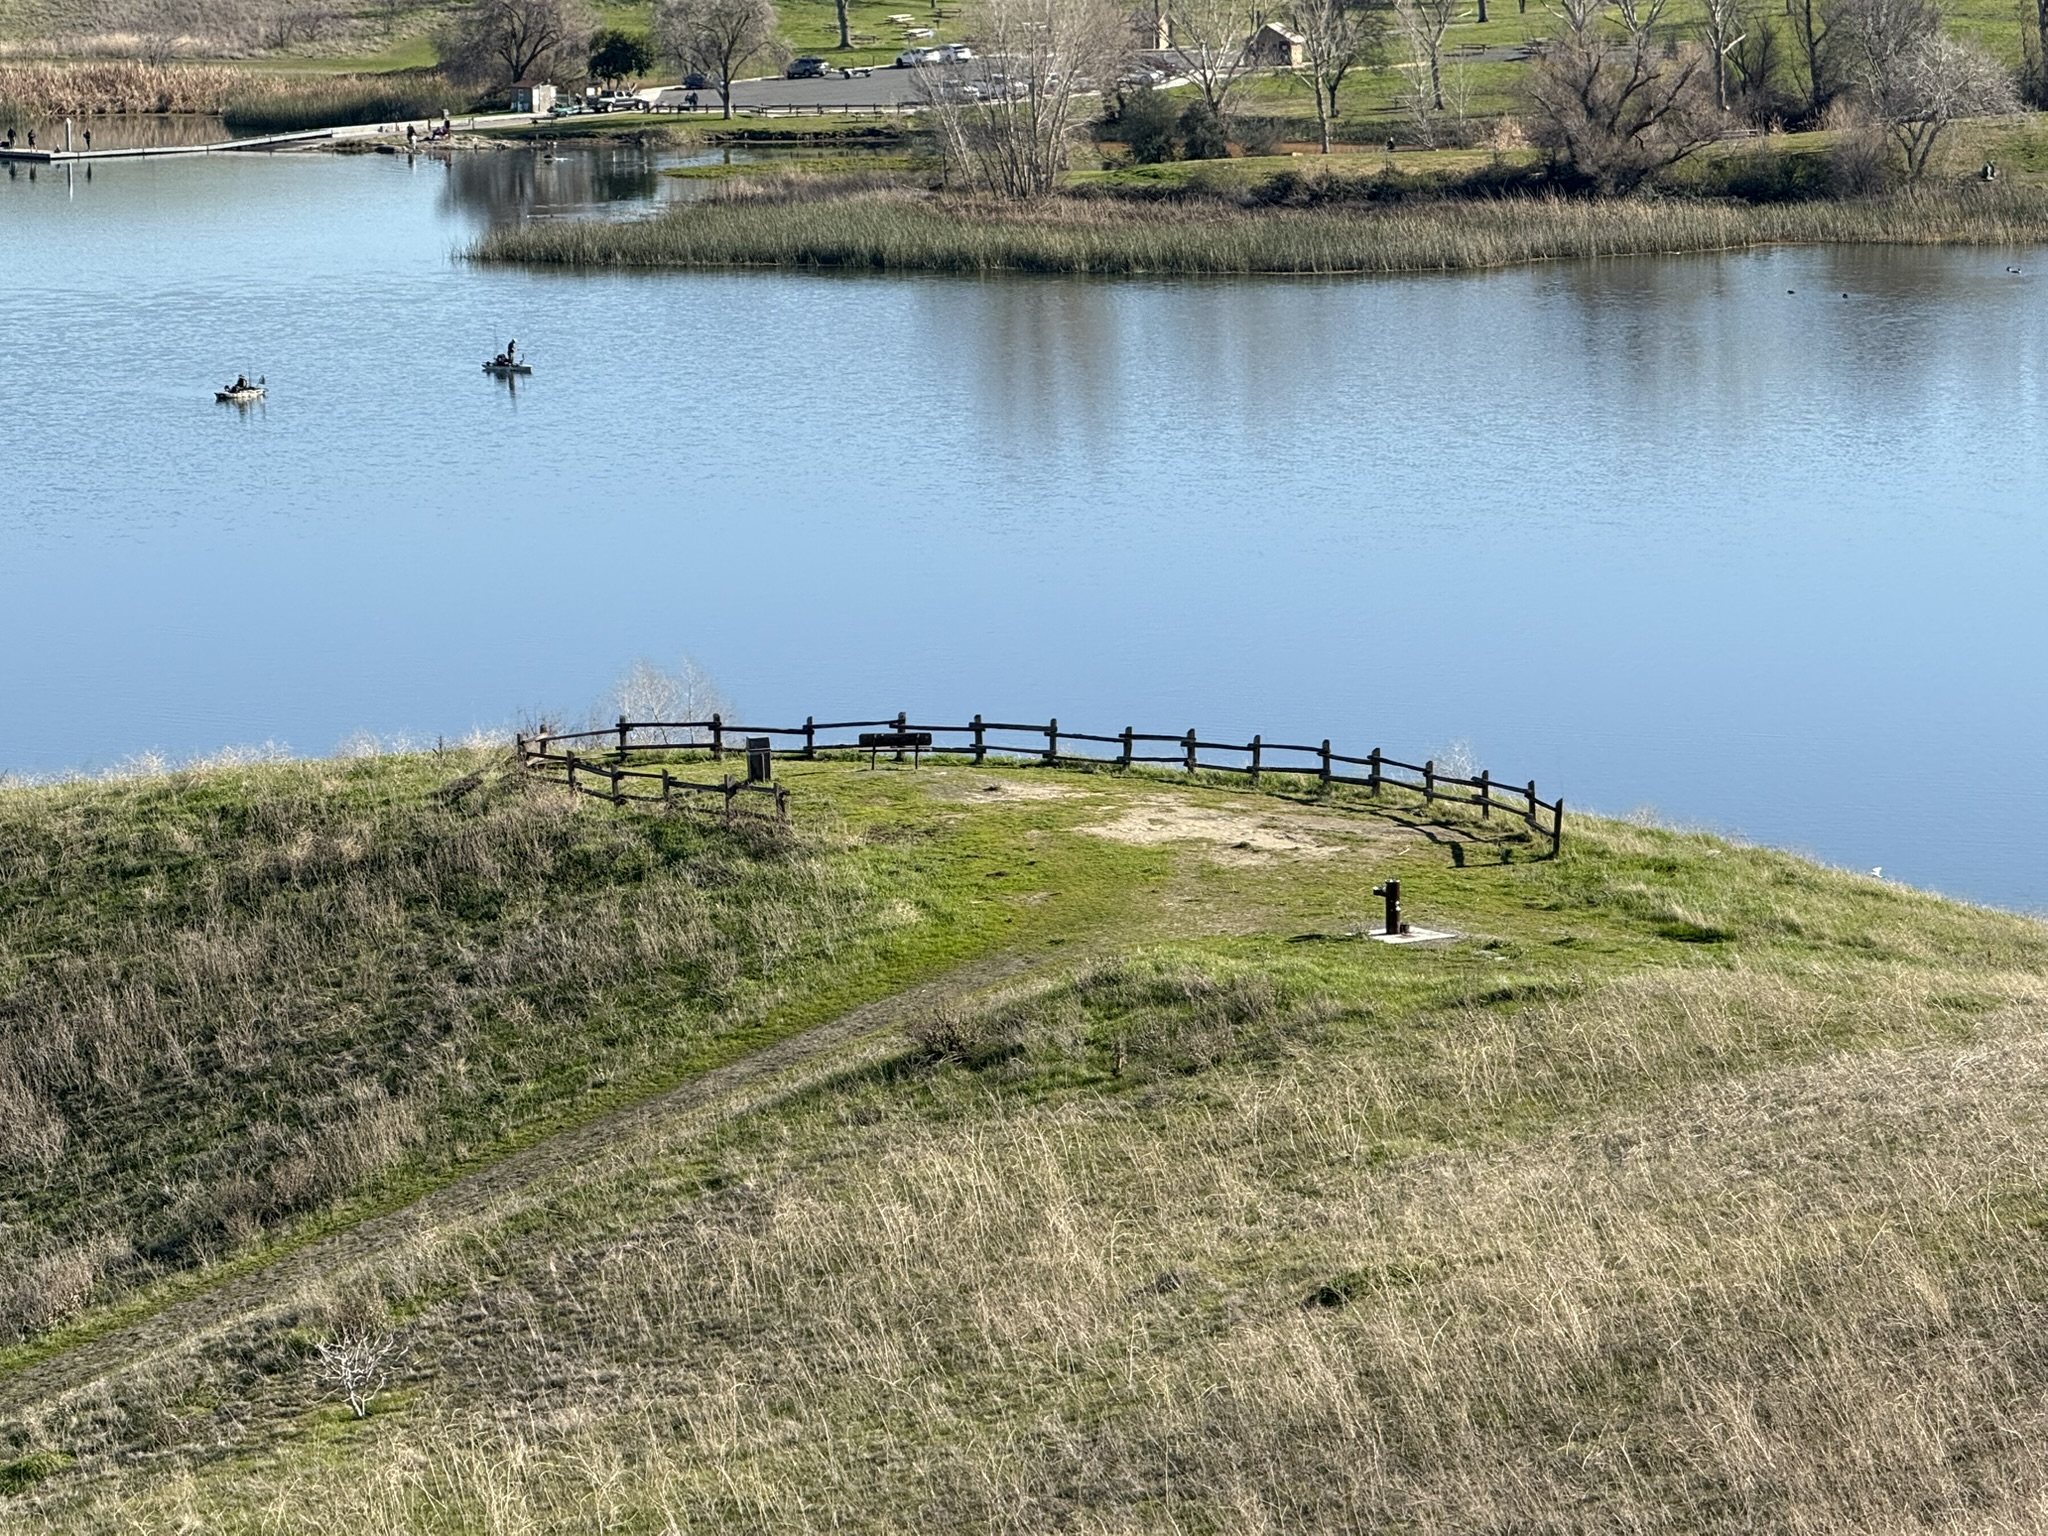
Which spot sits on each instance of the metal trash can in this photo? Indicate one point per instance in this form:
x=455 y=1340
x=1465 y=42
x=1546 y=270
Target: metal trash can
x=760 y=761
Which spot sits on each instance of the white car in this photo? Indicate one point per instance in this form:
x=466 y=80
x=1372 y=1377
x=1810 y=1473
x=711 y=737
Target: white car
x=910 y=58
x=957 y=53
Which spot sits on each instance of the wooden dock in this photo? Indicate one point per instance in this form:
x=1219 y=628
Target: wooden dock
x=372 y=131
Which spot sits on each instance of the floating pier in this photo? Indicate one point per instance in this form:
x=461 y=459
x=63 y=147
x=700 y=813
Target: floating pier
x=421 y=127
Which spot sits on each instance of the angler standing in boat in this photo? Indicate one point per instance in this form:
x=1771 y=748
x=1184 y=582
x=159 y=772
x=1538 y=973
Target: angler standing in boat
x=507 y=361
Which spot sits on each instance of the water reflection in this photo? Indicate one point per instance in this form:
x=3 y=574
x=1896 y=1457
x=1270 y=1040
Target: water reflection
x=129 y=130
x=547 y=183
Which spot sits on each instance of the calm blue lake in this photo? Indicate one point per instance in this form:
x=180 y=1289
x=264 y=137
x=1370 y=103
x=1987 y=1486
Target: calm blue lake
x=1755 y=541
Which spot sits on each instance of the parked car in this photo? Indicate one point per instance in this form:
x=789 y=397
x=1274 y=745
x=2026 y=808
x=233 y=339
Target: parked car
x=618 y=101
x=566 y=109
x=697 y=80
x=809 y=67
x=910 y=58
x=958 y=53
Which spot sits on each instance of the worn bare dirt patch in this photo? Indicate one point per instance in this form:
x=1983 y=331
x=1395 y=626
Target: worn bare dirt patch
x=1236 y=834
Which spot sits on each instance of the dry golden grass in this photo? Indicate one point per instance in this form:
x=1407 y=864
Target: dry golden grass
x=228 y=999
x=1271 y=1298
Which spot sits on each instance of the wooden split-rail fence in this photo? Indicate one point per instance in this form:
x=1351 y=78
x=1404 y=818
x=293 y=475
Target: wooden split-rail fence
x=598 y=762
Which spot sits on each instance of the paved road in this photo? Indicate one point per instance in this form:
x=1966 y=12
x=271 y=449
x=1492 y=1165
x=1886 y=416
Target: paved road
x=884 y=90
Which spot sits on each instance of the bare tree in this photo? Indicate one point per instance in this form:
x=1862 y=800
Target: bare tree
x=507 y=41
x=356 y=1363
x=1213 y=40
x=646 y=692
x=1337 y=36
x=1813 y=32
x=1423 y=24
x=1917 y=78
x=716 y=37
x=1724 y=27
x=163 y=29
x=1756 y=61
x=1615 y=110
x=1007 y=120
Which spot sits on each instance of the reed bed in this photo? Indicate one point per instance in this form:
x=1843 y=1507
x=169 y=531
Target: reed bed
x=907 y=230
x=344 y=101
x=88 y=89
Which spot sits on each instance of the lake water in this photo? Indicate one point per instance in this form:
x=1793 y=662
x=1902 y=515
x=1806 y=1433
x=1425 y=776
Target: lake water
x=1754 y=540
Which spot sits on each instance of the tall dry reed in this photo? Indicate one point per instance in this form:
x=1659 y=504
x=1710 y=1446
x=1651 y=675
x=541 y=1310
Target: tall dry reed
x=86 y=89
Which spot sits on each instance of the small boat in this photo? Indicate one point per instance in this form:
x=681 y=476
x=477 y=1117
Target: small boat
x=505 y=370
x=244 y=395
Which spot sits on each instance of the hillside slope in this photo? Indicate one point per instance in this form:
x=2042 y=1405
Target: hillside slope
x=1694 y=1188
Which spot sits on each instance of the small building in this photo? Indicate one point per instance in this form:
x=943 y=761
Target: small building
x=1274 y=47
x=537 y=99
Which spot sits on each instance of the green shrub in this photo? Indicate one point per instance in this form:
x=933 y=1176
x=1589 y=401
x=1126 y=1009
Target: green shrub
x=1146 y=123
x=1201 y=133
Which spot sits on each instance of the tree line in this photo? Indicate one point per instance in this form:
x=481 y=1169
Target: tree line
x=1617 y=92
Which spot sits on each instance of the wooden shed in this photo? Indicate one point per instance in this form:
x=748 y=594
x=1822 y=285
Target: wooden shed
x=1275 y=47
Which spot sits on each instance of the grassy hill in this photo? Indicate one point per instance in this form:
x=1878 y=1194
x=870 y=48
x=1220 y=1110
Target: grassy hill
x=999 y=1148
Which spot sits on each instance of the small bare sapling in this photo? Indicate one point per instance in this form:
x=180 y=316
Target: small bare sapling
x=356 y=1363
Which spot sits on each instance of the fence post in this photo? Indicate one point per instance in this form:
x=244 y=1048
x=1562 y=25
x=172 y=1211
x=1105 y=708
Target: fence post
x=1127 y=747
x=667 y=785
x=1255 y=758
x=1429 y=781
x=622 y=735
x=1190 y=744
x=519 y=747
x=1557 y=826
x=618 y=794
x=727 y=782
x=570 y=758
x=1052 y=741
x=1326 y=760
x=980 y=746
x=1532 y=804
x=718 y=737
x=1485 y=793
x=902 y=721
x=810 y=737
x=782 y=805
x=1373 y=779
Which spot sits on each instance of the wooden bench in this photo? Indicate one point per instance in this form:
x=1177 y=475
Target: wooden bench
x=914 y=742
